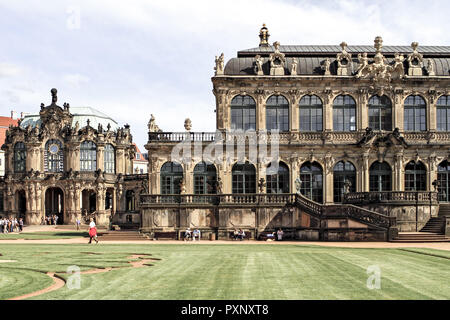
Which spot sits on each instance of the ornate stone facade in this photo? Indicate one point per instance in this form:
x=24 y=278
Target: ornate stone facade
x=57 y=165
x=375 y=115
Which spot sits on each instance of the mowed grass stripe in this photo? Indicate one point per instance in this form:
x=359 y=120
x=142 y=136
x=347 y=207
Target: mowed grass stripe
x=190 y=271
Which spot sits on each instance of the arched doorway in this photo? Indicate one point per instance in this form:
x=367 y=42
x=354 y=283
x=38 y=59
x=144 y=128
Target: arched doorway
x=311 y=181
x=88 y=201
x=344 y=172
x=277 y=181
x=21 y=203
x=415 y=176
x=444 y=181
x=380 y=177
x=54 y=203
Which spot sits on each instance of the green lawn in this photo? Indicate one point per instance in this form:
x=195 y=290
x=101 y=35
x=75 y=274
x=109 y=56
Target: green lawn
x=43 y=235
x=235 y=271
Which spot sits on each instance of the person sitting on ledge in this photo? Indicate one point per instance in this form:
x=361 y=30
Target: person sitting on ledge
x=241 y=234
x=187 y=234
x=235 y=234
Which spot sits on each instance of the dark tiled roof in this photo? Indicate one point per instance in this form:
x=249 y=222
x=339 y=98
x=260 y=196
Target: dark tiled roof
x=294 y=50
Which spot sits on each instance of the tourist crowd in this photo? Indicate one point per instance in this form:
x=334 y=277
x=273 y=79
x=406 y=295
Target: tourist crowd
x=11 y=224
x=49 y=220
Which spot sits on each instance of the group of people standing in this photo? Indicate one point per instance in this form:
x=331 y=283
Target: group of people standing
x=50 y=220
x=11 y=225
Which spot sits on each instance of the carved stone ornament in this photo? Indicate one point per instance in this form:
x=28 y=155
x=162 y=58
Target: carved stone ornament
x=430 y=68
x=220 y=64
x=188 y=124
x=152 y=127
x=344 y=61
x=277 y=61
x=326 y=66
x=264 y=36
x=415 y=61
x=258 y=65
x=294 y=67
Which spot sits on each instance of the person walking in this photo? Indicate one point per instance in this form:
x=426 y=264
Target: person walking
x=92 y=231
x=78 y=222
x=20 y=225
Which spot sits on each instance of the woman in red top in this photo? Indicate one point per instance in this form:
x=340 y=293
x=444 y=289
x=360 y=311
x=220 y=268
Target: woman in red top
x=92 y=231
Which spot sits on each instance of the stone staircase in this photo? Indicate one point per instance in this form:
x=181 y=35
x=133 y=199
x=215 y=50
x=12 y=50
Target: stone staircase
x=416 y=237
x=121 y=236
x=434 y=225
x=444 y=209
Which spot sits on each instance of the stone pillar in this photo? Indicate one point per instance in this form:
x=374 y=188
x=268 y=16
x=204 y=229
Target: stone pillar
x=365 y=173
x=398 y=111
x=120 y=161
x=100 y=157
x=222 y=109
x=294 y=116
x=226 y=176
x=260 y=173
x=260 y=112
x=431 y=114
x=362 y=111
x=188 y=177
x=328 y=179
x=432 y=172
x=294 y=174
x=398 y=172
x=328 y=112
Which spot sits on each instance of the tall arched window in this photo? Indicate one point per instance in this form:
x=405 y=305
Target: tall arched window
x=171 y=178
x=88 y=156
x=109 y=158
x=380 y=177
x=277 y=114
x=205 y=178
x=311 y=110
x=443 y=113
x=344 y=172
x=20 y=157
x=244 y=178
x=380 y=113
x=443 y=177
x=415 y=176
x=415 y=118
x=311 y=181
x=344 y=113
x=130 y=200
x=243 y=113
x=53 y=156
x=277 y=182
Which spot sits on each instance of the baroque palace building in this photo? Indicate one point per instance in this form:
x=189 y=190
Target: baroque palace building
x=73 y=163
x=364 y=137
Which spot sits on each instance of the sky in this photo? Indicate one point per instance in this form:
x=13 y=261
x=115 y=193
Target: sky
x=133 y=58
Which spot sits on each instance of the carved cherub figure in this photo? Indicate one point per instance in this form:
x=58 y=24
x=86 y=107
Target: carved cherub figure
x=326 y=66
x=363 y=64
x=430 y=67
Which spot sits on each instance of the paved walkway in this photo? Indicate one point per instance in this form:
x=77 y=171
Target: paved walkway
x=435 y=245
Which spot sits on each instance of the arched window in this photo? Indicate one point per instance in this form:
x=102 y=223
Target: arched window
x=443 y=113
x=109 y=159
x=277 y=114
x=171 y=178
x=415 y=176
x=380 y=177
x=415 y=118
x=130 y=200
x=311 y=181
x=380 y=113
x=343 y=173
x=53 y=156
x=204 y=178
x=311 y=110
x=20 y=157
x=443 y=177
x=243 y=113
x=277 y=182
x=244 y=178
x=88 y=156
x=344 y=113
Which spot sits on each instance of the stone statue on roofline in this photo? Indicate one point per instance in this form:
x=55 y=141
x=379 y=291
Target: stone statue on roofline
x=430 y=68
x=277 y=61
x=188 y=124
x=294 y=67
x=220 y=64
x=326 y=66
x=258 y=65
x=152 y=127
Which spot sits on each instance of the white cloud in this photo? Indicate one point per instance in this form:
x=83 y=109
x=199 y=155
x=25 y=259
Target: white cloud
x=130 y=59
x=76 y=79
